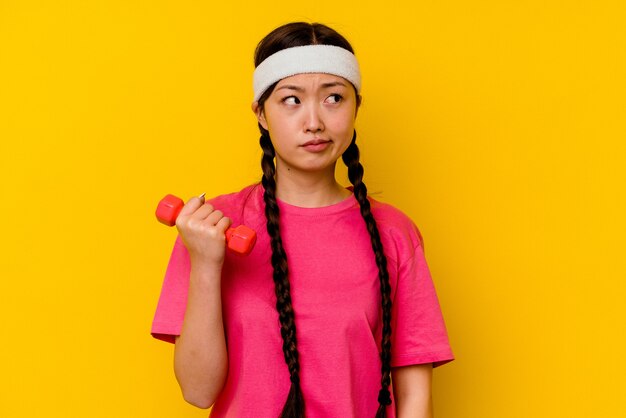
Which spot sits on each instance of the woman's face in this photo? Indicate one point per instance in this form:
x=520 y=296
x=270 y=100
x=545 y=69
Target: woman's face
x=310 y=118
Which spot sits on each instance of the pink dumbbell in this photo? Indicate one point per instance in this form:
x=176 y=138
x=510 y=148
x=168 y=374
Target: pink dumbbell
x=240 y=239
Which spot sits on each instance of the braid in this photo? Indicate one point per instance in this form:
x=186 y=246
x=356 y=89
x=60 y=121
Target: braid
x=355 y=174
x=294 y=406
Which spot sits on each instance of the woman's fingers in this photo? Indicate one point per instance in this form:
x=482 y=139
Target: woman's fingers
x=197 y=211
x=191 y=206
x=213 y=217
x=203 y=211
x=223 y=224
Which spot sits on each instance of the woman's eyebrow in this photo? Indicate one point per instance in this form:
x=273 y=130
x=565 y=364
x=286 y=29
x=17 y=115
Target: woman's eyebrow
x=333 y=84
x=290 y=87
x=301 y=89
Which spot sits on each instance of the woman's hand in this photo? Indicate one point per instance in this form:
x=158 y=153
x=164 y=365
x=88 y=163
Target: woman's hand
x=202 y=229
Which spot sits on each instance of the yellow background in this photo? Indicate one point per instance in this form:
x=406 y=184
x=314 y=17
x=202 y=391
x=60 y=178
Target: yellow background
x=499 y=127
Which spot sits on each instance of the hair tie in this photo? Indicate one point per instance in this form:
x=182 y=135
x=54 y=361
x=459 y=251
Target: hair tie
x=384 y=397
x=328 y=59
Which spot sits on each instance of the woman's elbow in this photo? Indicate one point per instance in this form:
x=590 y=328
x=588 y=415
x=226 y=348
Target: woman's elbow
x=199 y=400
x=201 y=393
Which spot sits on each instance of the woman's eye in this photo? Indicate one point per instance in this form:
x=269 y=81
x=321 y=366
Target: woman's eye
x=334 y=98
x=291 y=100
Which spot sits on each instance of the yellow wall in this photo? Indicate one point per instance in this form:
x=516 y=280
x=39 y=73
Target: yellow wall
x=499 y=127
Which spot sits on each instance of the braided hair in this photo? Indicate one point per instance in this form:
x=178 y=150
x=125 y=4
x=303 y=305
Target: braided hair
x=300 y=34
x=294 y=407
x=355 y=174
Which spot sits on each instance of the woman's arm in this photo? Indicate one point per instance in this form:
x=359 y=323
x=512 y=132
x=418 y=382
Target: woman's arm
x=412 y=391
x=200 y=356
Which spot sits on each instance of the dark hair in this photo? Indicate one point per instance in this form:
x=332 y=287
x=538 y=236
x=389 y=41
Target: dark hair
x=287 y=36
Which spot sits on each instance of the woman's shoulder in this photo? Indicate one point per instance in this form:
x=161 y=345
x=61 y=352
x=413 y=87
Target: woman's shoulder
x=396 y=227
x=241 y=205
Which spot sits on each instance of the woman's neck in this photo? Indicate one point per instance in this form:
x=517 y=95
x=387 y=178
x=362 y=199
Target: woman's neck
x=308 y=189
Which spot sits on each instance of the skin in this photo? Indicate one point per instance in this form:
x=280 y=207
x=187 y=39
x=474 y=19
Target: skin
x=302 y=108
x=412 y=391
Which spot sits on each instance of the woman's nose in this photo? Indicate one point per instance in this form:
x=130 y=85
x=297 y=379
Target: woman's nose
x=313 y=121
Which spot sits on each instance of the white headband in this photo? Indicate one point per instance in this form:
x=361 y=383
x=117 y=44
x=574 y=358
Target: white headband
x=328 y=59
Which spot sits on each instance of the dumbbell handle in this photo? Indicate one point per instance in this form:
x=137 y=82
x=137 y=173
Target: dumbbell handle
x=240 y=239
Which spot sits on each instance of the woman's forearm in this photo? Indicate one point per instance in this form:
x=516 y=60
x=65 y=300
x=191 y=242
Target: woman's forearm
x=414 y=408
x=200 y=357
x=412 y=390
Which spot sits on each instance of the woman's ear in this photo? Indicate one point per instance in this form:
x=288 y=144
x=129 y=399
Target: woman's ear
x=359 y=100
x=260 y=115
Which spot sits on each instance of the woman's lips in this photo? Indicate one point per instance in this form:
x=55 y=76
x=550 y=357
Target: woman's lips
x=316 y=145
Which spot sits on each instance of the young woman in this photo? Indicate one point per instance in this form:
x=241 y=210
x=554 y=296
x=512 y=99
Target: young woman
x=335 y=302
